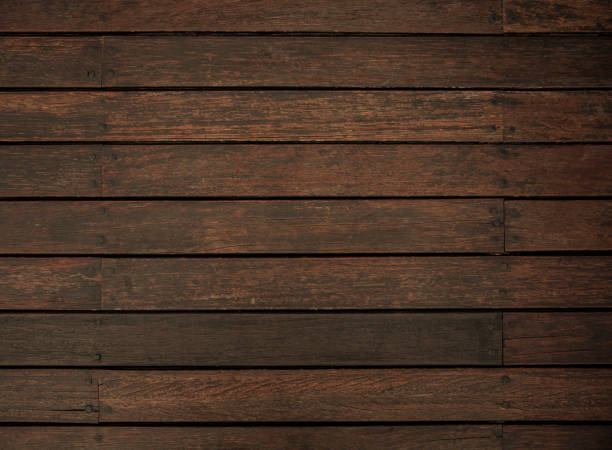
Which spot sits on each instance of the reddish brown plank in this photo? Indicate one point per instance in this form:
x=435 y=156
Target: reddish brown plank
x=259 y=226
x=557 y=338
x=557 y=437
x=251 y=115
x=251 y=340
x=430 y=16
x=528 y=16
x=48 y=396
x=356 y=395
x=540 y=225
x=50 y=283
x=437 y=437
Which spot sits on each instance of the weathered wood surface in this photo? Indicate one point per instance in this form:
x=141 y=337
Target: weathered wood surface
x=557 y=437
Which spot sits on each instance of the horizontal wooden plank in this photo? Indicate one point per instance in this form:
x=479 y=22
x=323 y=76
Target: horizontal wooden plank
x=439 y=437
x=250 y=340
x=48 y=396
x=557 y=437
x=558 y=225
x=430 y=16
x=557 y=338
x=356 y=283
x=259 y=226
x=356 y=395
x=430 y=62
x=524 y=16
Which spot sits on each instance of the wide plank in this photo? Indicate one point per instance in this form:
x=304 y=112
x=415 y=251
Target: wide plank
x=546 y=225
x=372 y=16
x=358 y=395
x=48 y=396
x=258 y=226
x=278 y=115
x=557 y=338
x=356 y=283
x=557 y=437
x=405 y=437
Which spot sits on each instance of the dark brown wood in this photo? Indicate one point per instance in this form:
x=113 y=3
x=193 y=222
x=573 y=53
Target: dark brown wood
x=527 y=16
x=557 y=338
x=433 y=62
x=356 y=283
x=251 y=340
x=48 y=396
x=259 y=226
x=50 y=283
x=436 y=437
x=356 y=395
x=540 y=225
x=557 y=437
x=251 y=116
x=50 y=61
x=397 y=16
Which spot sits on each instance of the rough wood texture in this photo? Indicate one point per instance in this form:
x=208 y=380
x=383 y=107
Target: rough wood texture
x=555 y=16
x=251 y=340
x=259 y=226
x=557 y=338
x=437 y=437
x=48 y=396
x=356 y=395
x=396 y=16
x=557 y=437
x=533 y=225
x=357 y=283
x=431 y=62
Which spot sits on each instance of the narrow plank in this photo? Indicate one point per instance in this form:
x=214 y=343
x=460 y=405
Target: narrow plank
x=48 y=396
x=540 y=225
x=356 y=395
x=557 y=338
x=251 y=115
x=557 y=16
x=356 y=283
x=251 y=340
x=50 y=62
x=557 y=437
x=437 y=437
x=50 y=283
x=430 y=16
x=259 y=226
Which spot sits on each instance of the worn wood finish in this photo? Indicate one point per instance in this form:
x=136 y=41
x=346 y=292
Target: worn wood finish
x=558 y=225
x=557 y=437
x=311 y=226
x=555 y=16
x=396 y=16
x=48 y=396
x=557 y=338
x=251 y=339
x=356 y=395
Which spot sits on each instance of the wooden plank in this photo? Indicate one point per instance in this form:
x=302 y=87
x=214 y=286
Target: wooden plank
x=557 y=437
x=556 y=16
x=251 y=340
x=558 y=225
x=251 y=115
x=430 y=16
x=356 y=395
x=50 y=62
x=259 y=226
x=356 y=283
x=50 y=283
x=557 y=338
x=438 y=437
x=48 y=396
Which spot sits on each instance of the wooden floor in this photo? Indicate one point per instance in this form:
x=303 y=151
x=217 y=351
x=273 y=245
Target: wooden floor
x=283 y=224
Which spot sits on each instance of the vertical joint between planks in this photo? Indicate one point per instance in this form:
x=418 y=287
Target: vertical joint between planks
x=102 y=61
x=101 y=288
x=503 y=22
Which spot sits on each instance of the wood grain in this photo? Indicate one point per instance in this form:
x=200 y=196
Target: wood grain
x=356 y=395
x=396 y=16
x=558 y=225
x=557 y=437
x=557 y=338
x=250 y=340
x=261 y=226
x=48 y=396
